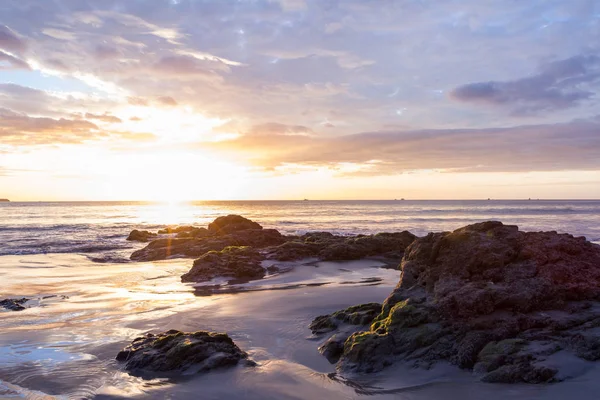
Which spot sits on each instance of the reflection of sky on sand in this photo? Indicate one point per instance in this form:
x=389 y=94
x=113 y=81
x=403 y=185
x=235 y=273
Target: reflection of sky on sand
x=66 y=346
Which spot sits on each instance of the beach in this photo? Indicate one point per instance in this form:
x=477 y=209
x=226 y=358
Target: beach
x=81 y=313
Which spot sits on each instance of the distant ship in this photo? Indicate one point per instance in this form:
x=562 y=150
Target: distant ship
x=4 y=200
x=305 y=199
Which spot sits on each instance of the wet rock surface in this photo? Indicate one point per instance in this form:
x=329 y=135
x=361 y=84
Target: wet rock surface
x=505 y=303
x=14 y=304
x=239 y=263
x=344 y=323
x=209 y=246
x=175 y=351
x=140 y=236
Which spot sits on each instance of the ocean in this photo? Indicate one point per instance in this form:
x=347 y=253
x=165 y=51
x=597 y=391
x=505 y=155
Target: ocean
x=88 y=301
x=96 y=227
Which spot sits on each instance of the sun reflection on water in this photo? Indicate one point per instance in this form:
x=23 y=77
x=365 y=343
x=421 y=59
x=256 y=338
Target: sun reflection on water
x=170 y=213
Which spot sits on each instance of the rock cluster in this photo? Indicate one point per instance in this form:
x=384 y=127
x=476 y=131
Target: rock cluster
x=14 y=304
x=490 y=298
x=175 y=351
x=233 y=246
x=240 y=263
x=231 y=230
x=345 y=323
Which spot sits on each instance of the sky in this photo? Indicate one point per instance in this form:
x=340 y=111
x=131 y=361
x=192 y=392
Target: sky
x=289 y=99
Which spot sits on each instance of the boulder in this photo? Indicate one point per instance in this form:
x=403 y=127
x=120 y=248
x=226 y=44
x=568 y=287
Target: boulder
x=176 y=229
x=232 y=223
x=391 y=245
x=238 y=263
x=193 y=233
x=140 y=236
x=329 y=247
x=488 y=297
x=166 y=248
x=293 y=251
x=344 y=323
x=181 y=352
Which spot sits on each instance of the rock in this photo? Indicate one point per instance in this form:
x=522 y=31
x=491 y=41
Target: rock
x=175 y=351
x=294 y=250
x=362 y=314
x=240 y=263
x=193 y=233
x=232 y=223
x=232 y=230
x=333 y=348
x=13 y=304
x=259 y=238
x=176 y=229
x=345 y=323
x=328 y=247
x=390 y=245
x=488 y=297
x=140 y=236
x=165 y=248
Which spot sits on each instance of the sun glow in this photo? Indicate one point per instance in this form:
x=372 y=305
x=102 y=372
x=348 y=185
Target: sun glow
x=179 y=124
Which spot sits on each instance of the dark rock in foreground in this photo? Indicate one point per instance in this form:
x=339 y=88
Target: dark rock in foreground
x=13 y=304
x=344 y=323
x=240 y=263
x=362 y=314
x=488 y=297
x=140 y=236
x=175 y=351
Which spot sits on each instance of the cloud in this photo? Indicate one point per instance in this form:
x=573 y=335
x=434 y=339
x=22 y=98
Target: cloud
x=103 y=52
x=176 y=66
x=10 y=62
x=167 y=101
x=59 y=34
x=10 y=41
x=137 y=101
x=20 y=129
x=274 y=128
x=569 y=146
x=558 y=85
x=104 y=118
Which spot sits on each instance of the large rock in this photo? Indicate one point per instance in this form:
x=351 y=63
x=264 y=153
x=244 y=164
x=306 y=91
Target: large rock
x=383 y=244
x=239 y=263
x=329 y=247
x=194 y=242
x=490 y=297
x=175 y=351
x=165 y=248
x=140 y=236
x=232 y=223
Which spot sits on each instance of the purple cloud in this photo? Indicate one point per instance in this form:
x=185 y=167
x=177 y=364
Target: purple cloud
x=558 y=85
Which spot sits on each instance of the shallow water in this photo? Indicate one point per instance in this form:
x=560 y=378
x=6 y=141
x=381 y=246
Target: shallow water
x=64 y=346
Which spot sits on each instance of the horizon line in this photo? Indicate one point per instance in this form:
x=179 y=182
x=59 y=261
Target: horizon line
x=291 y=200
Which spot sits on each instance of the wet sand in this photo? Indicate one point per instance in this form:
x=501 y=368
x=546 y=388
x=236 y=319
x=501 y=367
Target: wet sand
x=64 y=346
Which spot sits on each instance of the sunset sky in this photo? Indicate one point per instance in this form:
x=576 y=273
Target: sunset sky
x=292 y=99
